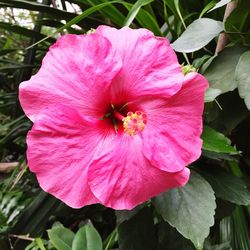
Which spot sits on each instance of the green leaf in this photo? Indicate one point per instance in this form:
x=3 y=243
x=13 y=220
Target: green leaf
x=241 y=235
x=3 y=223
x=226 y=229
x=218 y=156
x=23 y=31
x=35 y=217
x=169 y=236
x=197 y=35
x=123 y=215
x=211 y=94
x=146 y=20
x=61 y=237
x=87 y=238
x=134 y=11
x=208 y=7
x=220 y=72
x=137 y=233
x=36 y=214
x=198 y=62
x=171 y=6
x=111 y=240
x=33 y=5
x=216 y=142
x=40 y=244
x=33 y=246
x=220 y=4
x=178 y=11
x=12 y=203
x=189 y=209
x=77 y=19
x=109 y=11
x=227 y=186
x=242 y=77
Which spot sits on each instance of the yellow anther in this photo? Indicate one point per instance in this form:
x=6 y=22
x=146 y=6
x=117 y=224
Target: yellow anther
x=134 y=122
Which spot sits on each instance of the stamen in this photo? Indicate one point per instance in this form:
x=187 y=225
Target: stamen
x=134 y=123
x=119 y=116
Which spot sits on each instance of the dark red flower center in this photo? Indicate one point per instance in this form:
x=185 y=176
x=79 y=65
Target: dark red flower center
x=131 y=123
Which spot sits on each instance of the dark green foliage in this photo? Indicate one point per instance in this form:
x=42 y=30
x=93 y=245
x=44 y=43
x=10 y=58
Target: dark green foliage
x=137 y=232
x=189 y=209
x=213 y=208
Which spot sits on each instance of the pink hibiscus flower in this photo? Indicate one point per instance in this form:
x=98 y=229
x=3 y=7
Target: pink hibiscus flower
x=115 y=120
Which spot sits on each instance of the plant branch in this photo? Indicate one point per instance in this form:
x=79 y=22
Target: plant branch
x=223 y=37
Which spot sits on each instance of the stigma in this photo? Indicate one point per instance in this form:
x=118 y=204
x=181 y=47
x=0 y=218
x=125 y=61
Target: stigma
x=134 y=123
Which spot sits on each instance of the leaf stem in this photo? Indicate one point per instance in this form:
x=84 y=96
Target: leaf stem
x=176 y=3
x=111 y=237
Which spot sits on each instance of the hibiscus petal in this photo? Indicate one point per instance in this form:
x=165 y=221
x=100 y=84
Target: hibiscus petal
x=171 y=139
x=150 y=66
x=61 y=145
x=121 y=177
x=77 y=70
